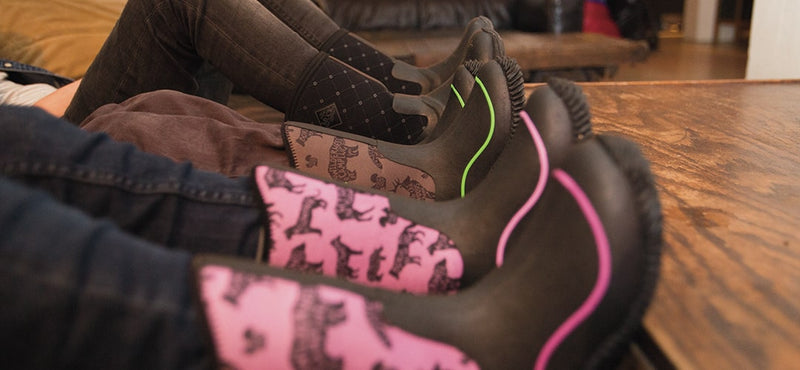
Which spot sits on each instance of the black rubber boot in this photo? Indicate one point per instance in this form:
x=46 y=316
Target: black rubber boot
x=569 y=294
x=479 y=42
x=465 y=144
x=334 y=95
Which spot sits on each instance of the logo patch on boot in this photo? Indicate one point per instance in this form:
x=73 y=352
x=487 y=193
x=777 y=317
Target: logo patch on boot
x=328 y=116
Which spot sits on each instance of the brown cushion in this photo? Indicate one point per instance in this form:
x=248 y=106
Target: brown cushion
x=188 y=128
x=62 y=36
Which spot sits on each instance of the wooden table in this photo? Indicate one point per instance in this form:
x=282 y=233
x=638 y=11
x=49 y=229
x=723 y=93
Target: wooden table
x=726 y=156
x=533 y=51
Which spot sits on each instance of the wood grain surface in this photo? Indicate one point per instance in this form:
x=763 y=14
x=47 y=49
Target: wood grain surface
x=726 y=156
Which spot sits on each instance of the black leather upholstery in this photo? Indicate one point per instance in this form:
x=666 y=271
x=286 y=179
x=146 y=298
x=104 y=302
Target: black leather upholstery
x=526 y=15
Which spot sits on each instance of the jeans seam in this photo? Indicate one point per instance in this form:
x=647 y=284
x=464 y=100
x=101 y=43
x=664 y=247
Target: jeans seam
x=296 y=25
x=127 y=73
x=125 y=183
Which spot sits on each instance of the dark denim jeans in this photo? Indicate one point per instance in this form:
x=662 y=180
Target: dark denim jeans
x=162 y=44
x=167 y=203
x=305 y=18
x=79 y=290
x=78 y=293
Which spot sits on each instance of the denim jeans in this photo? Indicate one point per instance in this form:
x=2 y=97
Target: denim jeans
x=80 y=288
x=152 y=197
x=79 y=293
x=162 y=44
x=305 y=18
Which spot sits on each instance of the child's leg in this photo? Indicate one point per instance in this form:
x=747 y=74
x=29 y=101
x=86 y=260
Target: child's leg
x=153 y=197
x=161 y=44
x=319 y=30
x=79 y=293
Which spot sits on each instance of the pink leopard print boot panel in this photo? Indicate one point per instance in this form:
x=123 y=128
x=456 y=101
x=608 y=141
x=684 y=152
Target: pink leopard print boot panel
x=261 y=322
x=355 y=162
x=323 y=228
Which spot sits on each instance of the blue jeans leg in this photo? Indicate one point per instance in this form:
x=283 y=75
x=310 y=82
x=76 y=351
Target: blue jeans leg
x=80 y=293
x=152 y=197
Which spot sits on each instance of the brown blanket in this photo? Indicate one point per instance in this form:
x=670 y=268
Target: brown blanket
x=187 y=128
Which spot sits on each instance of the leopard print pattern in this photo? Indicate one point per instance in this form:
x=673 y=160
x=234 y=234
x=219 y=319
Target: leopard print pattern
x=287 y=325
x=359 y=239
x=355 y=162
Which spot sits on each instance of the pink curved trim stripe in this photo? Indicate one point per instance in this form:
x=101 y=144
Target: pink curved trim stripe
x=603 y=271
x=544 y=164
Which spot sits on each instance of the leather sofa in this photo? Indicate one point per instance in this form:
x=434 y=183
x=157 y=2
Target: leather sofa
x=523 y=15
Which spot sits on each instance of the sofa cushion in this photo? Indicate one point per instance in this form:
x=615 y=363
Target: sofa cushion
x=62 y=36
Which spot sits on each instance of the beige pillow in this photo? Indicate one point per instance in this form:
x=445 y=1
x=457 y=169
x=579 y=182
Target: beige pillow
x=62 y=36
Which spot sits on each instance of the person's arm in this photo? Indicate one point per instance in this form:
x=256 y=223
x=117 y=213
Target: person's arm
x=57 y=102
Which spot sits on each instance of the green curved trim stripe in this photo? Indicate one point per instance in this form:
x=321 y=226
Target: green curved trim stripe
x=460 y=99
x=485 y=143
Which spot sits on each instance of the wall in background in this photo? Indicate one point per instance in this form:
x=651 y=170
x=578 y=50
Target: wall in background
x=774 y=51
x=699 y=18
